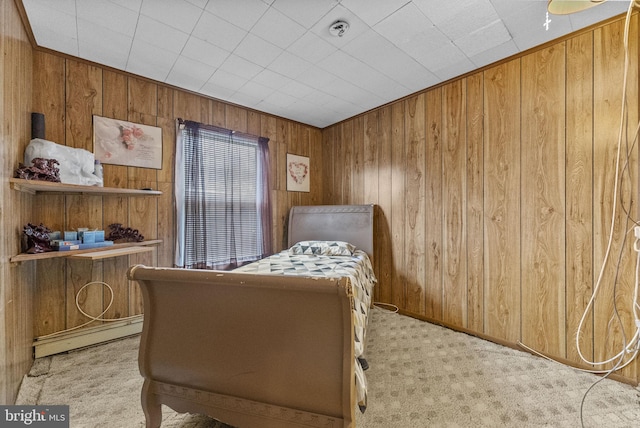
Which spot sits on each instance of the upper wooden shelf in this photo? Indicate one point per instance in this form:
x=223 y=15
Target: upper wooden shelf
x=35 y=186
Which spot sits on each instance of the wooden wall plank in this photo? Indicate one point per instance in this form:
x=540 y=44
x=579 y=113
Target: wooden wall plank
x=383 y=254
x=610 y=291
x=114 y=106
x=543 y=196
x=328 y=165
x=415 y=204
x=398 y=279
x=49 y=99
x=579 y=196
x=345 y=162
x=502 y=191
x=83 y=99
x=475 y=202
x=433 y=217
x=357 y=180
x=454 y=154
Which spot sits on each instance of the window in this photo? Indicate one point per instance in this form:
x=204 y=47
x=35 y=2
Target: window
x=222 y=197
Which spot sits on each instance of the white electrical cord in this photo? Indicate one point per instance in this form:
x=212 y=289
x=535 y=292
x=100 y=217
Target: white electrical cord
x=91 y=317
x=628 y=347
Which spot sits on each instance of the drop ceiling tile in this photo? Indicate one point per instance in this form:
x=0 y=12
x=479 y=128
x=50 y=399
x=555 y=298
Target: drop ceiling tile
x=53 y=28
x=289 y=65
x=271 y=79
x=257 y=50
x=217 y=91
x=312 y=48
x=494 y=54
x=61 y=6
x=377 y=52
x=411 y=30
x=281 y=99
x=93 y=44
x=445 y=57
x=160 y=35
x=234 y=64
x=219 y=32
x=506 y=8
x=205 y=52
x=247 y=100
x=230 y=80
x=488 y=37
x=373 y=11
x=297 y=89
x=461 y=24
x=64 y=42
x=305 y=12
x=278 y=29
x=251 y=88
x=189 y=74
x=199 y=3
x=317 y=78
x=150 y=61
x=243 y=14
x=109 y=15
x=133 y=5
x=416 y=79
x=455 y=69
x=349 y=92
x=178 y=14
x=440 y=12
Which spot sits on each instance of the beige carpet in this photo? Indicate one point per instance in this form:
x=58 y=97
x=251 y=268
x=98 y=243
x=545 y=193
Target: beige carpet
x=420 y=375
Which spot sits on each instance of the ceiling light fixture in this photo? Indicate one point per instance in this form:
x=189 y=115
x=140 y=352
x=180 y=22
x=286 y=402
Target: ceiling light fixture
x=339 y=28
x=565 y=7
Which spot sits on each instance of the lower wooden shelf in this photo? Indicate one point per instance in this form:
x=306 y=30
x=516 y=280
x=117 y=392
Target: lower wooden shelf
x=114 y=250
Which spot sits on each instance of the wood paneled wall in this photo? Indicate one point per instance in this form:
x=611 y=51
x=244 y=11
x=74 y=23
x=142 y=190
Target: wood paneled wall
x=69 y=92
x=495 y=196
x=16 y=282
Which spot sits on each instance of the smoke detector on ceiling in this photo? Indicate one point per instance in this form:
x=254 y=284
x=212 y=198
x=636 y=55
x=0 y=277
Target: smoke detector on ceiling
x=339 y=28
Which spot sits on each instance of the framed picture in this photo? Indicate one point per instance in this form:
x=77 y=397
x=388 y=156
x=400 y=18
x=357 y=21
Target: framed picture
x=119 y=142
x=297 y=173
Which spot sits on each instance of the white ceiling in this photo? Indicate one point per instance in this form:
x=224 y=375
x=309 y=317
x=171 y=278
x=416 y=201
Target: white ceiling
x=277 y=56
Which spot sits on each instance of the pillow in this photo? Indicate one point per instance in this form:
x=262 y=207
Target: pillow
x=323 y=248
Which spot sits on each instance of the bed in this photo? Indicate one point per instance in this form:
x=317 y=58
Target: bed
x=277 y=343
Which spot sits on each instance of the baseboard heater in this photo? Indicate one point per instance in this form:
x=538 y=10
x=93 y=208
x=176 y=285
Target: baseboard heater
x=44 y=346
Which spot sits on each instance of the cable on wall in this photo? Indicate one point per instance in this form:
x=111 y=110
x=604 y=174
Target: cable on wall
x=92 y=318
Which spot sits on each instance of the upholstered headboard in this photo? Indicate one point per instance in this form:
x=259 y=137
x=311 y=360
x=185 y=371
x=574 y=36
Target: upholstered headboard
x=350 y=223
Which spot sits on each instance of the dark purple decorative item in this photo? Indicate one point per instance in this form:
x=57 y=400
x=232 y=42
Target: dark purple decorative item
x=42 y=170
x=124 y=234
x=37 y=238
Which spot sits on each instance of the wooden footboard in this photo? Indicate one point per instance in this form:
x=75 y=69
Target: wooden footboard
x=248 y=350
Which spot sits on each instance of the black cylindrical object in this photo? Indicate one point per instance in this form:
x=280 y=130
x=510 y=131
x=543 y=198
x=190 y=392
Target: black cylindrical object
x=37 y=125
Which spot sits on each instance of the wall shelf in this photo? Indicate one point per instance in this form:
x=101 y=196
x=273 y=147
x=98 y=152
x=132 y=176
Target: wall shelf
x=114 y=250
x=34 y=187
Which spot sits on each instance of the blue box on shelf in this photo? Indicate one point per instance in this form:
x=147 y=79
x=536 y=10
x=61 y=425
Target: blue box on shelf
x=88 y=237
